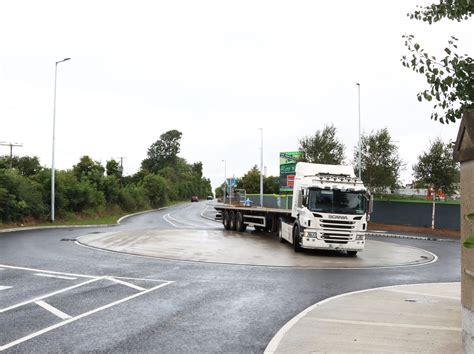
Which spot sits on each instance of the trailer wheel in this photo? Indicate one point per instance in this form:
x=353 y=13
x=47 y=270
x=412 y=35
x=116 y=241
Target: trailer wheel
x=296 y=238
x=352 y=253
x=239 y=222
x=232 y=221
x=226 y=220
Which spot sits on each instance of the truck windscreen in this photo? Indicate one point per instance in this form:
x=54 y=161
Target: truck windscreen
x=336 y=201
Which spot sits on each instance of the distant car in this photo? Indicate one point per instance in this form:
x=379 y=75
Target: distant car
x=194 y=198
x=210 y=197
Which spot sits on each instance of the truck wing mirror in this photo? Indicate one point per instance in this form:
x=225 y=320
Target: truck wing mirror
x=371 y=204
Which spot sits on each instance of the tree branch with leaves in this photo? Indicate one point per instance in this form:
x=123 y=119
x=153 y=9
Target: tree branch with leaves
x=450 y=78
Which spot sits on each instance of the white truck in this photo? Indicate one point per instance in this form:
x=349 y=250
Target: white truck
x=330 y=210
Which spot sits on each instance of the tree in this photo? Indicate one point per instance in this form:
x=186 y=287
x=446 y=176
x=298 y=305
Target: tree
x=88 y=169
x=271 y=185
x=163 y=152
x=26 y=165
x=450 y=79
x=112 y=168
x=155 y=189
x=323 y=147
x=250 y=181
x=436 y=167
x=380 y=163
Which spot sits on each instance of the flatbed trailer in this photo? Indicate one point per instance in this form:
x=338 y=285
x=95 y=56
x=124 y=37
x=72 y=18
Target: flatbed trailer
x=239 y=217
x=330 y=210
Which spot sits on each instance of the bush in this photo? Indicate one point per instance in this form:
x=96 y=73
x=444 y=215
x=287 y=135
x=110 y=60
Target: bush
x=132 y=198
x=20 y=197
x=156 y=190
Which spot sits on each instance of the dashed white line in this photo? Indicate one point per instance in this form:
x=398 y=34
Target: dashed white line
x=54 y=276
x=126 y=283
x=53 y=310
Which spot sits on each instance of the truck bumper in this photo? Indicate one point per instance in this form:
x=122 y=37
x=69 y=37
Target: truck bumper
x=315 y=243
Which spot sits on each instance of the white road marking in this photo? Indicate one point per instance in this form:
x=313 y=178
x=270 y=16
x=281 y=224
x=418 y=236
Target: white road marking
x=424 y=294
x=168 y=218
x=165 y=218
x=53 y=310
x=181 y=221
x=275 y=341
x=388 y=324
x=4 y=287
x=72 y=319
x=54 y=276
x=50 y=294
x=207 y=217
x=2 y=268
x=47 y=271
x=126 y=283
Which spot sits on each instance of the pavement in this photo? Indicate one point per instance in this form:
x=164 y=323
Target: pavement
x=418 y=318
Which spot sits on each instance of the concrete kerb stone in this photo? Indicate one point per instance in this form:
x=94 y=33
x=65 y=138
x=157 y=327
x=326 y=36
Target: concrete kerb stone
x=409 y=237
x=30 y=228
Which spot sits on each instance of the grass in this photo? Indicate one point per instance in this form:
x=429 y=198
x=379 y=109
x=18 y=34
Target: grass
x=103 y=218
x=411 y=199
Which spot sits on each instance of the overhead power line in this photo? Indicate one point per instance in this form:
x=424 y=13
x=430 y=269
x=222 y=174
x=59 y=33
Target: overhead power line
x=11 y=145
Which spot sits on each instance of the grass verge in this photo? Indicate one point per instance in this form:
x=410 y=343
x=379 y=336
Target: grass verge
x=104 y=218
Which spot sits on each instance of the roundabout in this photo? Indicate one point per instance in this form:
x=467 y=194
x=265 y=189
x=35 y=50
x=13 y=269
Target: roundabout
x=250 y=248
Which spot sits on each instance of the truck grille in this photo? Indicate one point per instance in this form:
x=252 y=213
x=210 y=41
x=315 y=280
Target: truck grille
x=330 y=237
x=337 y=224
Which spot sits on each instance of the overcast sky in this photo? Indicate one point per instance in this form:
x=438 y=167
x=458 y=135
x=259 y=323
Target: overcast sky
x=215 y=70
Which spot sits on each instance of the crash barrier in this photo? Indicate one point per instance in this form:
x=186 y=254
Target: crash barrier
x=447 y=216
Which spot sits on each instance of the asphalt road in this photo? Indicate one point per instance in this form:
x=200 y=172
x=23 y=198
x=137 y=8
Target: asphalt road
x=104 y=301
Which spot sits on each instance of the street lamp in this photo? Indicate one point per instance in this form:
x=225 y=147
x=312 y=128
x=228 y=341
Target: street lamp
x=261 y=167
x=225 y=178
x=54 y=137
x=358 y=89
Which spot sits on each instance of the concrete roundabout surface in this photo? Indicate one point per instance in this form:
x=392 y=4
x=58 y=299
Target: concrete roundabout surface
x=249 y=248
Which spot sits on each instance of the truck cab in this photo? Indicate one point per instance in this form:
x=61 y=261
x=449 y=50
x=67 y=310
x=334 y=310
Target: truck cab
x=330 y=209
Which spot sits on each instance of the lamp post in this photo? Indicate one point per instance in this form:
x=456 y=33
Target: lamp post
x=225 y=178
x=54 y=137
x=261 y=167
x=359 y=163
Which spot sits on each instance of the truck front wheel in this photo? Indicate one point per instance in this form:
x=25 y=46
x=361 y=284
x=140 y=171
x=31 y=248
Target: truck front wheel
x=352 y=253
x=280 y=231
x=296 y=239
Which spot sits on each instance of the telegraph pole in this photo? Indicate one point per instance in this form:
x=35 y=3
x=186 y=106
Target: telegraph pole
x=121 y=169
x=261 y=167
x=360 y=147
x=11 y=145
